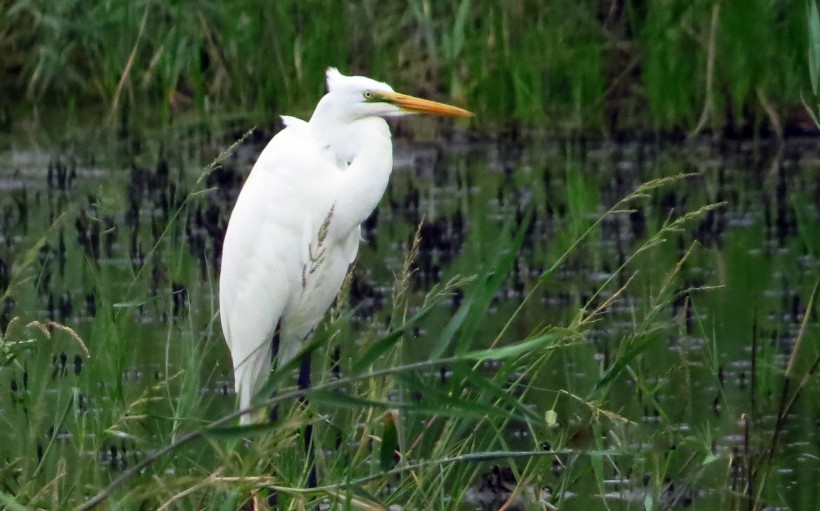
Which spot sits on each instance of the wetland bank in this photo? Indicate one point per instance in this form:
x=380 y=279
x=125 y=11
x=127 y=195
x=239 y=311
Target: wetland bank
x=565 y=304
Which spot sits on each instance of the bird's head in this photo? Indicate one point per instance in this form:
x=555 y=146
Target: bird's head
x=358 y=97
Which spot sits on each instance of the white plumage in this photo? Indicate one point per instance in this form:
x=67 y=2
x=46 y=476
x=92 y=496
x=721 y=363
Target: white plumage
x=295 y=228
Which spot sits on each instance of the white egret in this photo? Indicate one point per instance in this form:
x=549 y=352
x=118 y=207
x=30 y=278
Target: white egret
x=295 y=228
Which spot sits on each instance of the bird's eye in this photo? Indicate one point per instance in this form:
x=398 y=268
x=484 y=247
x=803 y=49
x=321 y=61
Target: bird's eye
x=368 y=95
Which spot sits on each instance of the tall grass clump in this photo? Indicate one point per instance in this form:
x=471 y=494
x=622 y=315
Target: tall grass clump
x=483 y=403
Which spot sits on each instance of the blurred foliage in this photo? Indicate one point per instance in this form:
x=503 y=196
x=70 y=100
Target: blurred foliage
x=573 y=66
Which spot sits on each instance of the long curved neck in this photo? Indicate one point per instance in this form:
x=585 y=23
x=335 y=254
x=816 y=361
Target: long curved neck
x=364 y=153
x=336 y=130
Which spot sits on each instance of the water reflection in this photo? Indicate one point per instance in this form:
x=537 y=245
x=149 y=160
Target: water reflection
x=737 y=302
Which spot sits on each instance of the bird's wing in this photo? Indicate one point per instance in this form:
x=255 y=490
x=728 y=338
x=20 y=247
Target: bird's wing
x=266 y=248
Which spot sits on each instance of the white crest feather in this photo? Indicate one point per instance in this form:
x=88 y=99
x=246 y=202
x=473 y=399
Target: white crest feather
x=334 y=77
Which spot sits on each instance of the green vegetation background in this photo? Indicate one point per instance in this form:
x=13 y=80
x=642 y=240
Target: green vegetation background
x=606 y=65
x=95 y=438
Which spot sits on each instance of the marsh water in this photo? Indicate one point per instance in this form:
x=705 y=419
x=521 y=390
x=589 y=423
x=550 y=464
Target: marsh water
x=84 y=242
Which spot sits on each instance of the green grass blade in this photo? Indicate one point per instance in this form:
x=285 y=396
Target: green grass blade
x=390 y=443
x=545 y=341
x=282 y=373
x=495 y=278
x=637 y=346
x=434 y=402
x=240 y=432
x=814 y=44
x=11 y=503
x=379 y=347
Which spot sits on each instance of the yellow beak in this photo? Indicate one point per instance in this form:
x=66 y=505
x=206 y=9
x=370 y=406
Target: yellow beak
x=423 y=106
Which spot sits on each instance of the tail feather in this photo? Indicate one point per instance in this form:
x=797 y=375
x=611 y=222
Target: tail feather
x=250 y=375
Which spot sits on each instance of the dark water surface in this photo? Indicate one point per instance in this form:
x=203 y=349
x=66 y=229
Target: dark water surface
x=701 y=396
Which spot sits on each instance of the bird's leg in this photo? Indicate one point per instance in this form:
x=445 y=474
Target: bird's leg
x=311 y=481
x=304 y=383
x=304 y=373
x=273 y=412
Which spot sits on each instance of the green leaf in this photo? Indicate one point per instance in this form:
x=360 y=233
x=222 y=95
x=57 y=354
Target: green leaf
x=240 y=432
x=354 y=498
x=452 y=327
x=505 y=259
x=446 y=399
x=123 y=435
x=390 y=442
x=814 y=44
x=513 y=350
x=338 y=399
x=384 y=344
x=69 y=406
x=11 y=503
x=132 y=304
x=282 y=373
x=434 y=402
x=489 y=388
x=636 y=347
x=458 y=31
